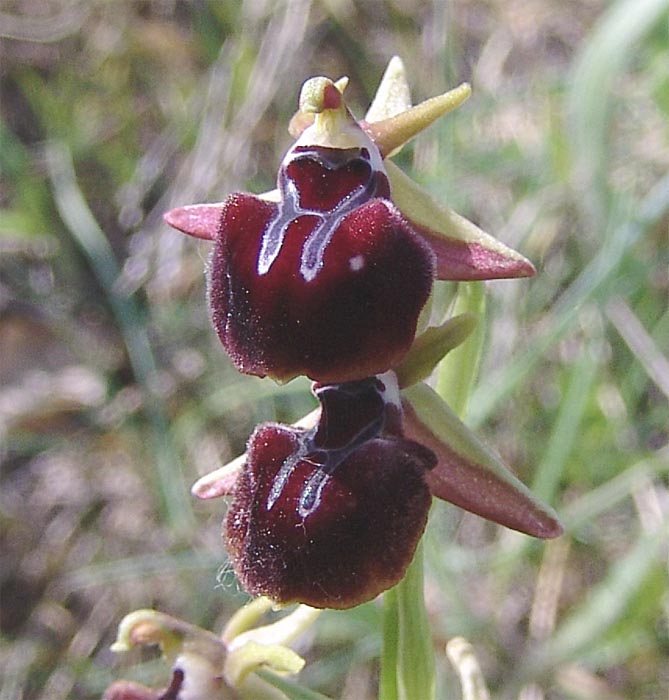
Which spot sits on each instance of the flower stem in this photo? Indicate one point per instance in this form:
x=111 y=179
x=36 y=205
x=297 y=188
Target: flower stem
x=457 y=372
x=408 y=659
x=391 y=630
x=407 y=667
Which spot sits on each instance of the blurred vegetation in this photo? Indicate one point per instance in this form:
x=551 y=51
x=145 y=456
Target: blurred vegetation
x=115 y=396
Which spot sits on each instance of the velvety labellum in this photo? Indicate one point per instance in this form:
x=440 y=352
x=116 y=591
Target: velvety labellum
x=330 y=516
x=329 y=282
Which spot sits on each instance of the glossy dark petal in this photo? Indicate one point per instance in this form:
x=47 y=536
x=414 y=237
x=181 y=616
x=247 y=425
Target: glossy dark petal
x=334 y=297
x=324 y=179
x=298 y=532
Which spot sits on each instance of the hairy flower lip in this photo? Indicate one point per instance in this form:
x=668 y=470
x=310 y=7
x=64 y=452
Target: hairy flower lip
x=354 y=542
x=330 y=516
x=466 y=474
x=355 y=318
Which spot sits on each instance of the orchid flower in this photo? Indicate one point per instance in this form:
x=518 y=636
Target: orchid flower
x=208 y=667
x=326 y=275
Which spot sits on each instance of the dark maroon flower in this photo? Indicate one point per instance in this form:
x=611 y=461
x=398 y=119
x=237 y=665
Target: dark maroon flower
x=326 y=276
x=329 y=282
x=330 y=516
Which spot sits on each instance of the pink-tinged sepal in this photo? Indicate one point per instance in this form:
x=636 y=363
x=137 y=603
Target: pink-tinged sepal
x=220 y=482
x=468 y=474
x=463 y=252
x=196 y=220
x=469 y=261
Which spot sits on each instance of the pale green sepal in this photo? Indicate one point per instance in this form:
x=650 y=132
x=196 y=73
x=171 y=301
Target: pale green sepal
x=252 y=656
x=173 y=636
x=438 y=223
x=418 y=205
x=468 y=473
x=393 y=94
x=283 y=631
x=429 y=348
x=246 y=617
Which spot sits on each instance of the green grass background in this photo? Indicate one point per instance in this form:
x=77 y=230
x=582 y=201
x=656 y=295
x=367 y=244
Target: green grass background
x=115 y=396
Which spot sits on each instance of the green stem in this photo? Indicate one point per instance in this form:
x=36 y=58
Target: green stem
x=408 y=658
x=457 y=372
x=407 y=666
x=391 y=630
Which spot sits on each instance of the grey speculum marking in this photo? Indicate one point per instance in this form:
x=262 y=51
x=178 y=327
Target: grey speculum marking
x=289 y=209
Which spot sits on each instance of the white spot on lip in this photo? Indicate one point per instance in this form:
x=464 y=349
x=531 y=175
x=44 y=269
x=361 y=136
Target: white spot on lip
x=356 y=263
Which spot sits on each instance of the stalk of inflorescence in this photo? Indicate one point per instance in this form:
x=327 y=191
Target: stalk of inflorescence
x=408 y=655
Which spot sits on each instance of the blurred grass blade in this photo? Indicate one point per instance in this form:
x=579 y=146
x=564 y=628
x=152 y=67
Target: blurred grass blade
x=590 y=98
x=592 y=283
x=566 y=430
x=604 y=498
x=82 y=226
x=292 y=690
x=606 y=605
x=138 y=568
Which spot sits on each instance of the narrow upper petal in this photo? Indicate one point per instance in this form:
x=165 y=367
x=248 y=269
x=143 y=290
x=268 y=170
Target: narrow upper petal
x=393 y=95
x=197 y=220
x=393 y=132
x=431 y=346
